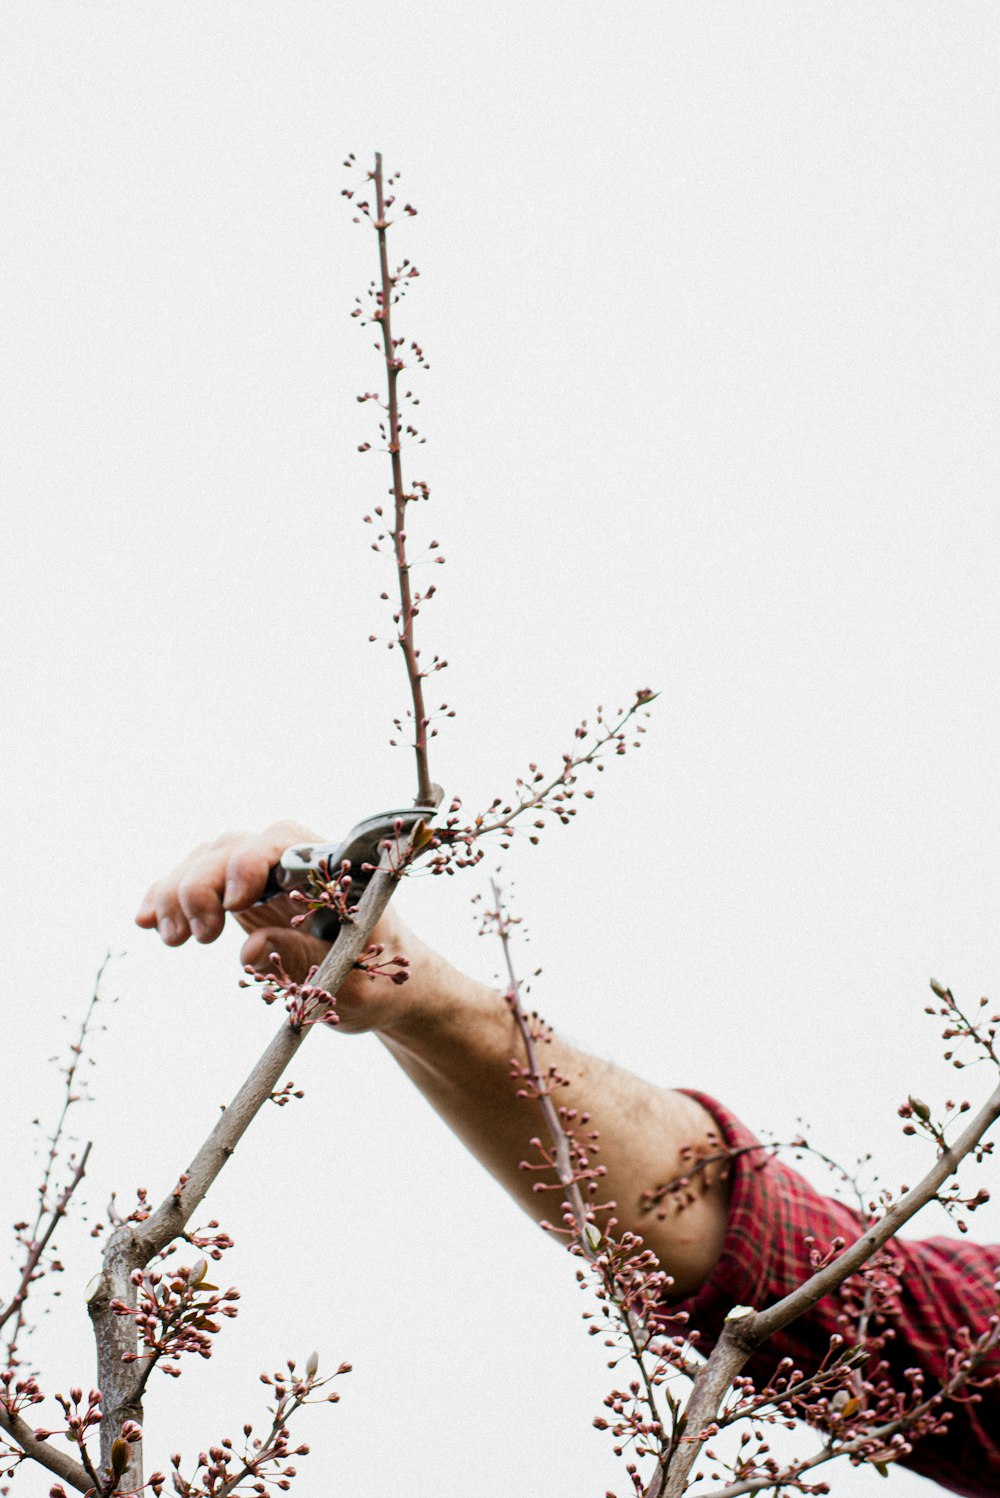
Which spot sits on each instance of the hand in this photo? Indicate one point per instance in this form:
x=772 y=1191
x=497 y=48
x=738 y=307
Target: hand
x=229 y=875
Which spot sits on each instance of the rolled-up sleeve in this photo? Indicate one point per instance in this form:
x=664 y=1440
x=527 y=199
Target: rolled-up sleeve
x=939 y=1286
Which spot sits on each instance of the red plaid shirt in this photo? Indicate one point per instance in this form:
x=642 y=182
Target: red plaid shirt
x=944 y=1285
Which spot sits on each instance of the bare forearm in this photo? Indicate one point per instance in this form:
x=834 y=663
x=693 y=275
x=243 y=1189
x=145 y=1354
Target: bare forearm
x=455 y=1040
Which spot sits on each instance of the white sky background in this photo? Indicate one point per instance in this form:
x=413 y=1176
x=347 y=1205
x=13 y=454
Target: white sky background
x=709 y=295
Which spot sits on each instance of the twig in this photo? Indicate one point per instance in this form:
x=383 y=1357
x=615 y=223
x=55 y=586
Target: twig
x=89 y=1468
x=875 y=1434
x=40 y=1235
x=656 y=1195
x=37 y=1249
x=565 y=777
x=563 y=1159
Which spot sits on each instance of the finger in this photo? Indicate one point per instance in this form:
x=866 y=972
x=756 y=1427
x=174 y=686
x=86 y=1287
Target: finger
x=251 y=861
x=184 y=901
x=199 y=894
x=145 y=916
x=170 y=920
x=191 y=897
x=297 y=952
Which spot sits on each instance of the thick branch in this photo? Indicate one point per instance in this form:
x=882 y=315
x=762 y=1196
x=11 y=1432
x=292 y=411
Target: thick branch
x=746 y=1330
x=134 y=1244
x=45 y=1455
x=175 y=1211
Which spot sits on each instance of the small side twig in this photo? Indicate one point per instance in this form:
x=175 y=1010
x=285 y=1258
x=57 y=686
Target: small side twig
x=48 y=1216
x=37 y=1248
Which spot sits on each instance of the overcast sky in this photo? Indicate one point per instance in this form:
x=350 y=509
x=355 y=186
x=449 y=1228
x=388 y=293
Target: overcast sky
x=709 y=296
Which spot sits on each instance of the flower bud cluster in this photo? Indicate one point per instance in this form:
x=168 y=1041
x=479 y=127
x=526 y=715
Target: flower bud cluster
x=284 y=1094
x=81 y=1415
x=965 y=1035
x=306 y=1003
x=177 y=1312
x=329 y=892
x=18 y=1391
x=374 y=965
x=210 y=1238
x=258 y=1463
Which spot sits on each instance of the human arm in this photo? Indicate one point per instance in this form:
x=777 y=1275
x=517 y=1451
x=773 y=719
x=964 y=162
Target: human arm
x=455 y=1038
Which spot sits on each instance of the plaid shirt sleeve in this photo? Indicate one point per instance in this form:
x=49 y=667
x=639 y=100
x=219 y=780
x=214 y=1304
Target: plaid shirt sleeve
x=942 y=1286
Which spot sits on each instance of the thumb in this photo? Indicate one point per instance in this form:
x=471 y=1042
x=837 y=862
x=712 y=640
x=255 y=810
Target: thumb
x=298 y=952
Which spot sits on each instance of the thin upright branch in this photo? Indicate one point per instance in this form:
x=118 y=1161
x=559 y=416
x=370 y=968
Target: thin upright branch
x=587 y=1239
x=562 y=1153
x=393 y=365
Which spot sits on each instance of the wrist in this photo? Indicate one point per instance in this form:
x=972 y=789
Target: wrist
x=440 y=1009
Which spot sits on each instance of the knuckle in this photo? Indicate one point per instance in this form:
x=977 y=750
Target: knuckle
x=245 y=860
x=287 y=829
x=193 y=895
x=224 y=840
x=165 y=895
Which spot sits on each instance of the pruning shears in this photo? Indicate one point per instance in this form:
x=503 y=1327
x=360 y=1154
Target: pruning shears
x=303 y=864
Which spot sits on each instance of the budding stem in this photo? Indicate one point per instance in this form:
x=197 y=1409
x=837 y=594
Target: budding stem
x=425 y=793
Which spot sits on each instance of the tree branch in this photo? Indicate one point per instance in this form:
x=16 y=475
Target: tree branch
x=745 y=1329
x=45 y=1455
x=133 y=1244
x=878 y=1434
x=393 y=365
x=537 y=800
